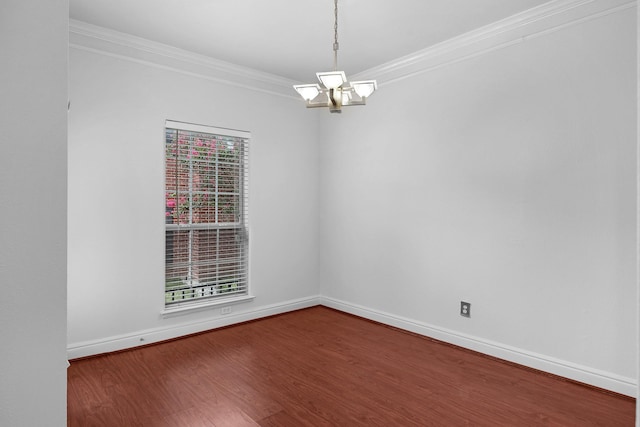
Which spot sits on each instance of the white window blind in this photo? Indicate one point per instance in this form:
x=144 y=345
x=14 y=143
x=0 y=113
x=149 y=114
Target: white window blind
x=206 y=199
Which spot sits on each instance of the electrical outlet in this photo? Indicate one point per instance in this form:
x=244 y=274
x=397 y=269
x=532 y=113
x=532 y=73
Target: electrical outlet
x=225 y=310
x=465 y=309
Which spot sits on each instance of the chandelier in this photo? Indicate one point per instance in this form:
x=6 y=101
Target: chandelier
x=335 y=91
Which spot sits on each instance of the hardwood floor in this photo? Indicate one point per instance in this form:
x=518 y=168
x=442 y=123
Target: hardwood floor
x=320 y=367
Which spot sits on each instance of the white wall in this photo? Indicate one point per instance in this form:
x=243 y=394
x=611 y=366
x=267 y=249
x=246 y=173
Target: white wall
x=116 y=197
x=33 y=178
x=508 y=180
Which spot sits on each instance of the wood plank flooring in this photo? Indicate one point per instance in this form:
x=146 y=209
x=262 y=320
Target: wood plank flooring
x=320 y=367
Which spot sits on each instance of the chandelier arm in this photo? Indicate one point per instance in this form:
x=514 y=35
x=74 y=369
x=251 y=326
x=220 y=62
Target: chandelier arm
x=332 y=97
x=310 y=104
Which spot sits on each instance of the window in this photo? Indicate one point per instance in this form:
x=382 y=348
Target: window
x=206 y=212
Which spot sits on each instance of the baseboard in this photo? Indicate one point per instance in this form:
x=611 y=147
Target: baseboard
x=594 y=377
x=150 y=336
x=583 y=374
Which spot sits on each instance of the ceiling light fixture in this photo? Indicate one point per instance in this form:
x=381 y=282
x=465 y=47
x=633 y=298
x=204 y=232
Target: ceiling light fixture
x=335 y=91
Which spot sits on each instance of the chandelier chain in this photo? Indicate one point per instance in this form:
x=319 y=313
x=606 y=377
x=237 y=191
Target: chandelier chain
x=335 y=36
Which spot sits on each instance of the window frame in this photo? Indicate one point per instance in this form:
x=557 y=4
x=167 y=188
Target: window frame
x=211 y=292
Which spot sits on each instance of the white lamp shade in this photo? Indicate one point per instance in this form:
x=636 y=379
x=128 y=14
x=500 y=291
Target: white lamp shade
x=364 y=88
x=332 y=79
x=308 y=92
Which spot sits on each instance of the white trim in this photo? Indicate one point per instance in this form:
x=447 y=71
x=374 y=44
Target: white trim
x=584 y=374
x=535 y=22
x=149 y=336
x=179 y=309
x=193 y=127
x=104 y=41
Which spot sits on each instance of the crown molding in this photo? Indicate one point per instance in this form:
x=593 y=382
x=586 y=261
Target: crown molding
x=100 y=40
x=535 y=22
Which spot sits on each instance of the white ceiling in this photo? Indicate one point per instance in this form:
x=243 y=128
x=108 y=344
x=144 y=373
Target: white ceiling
x=293 y=38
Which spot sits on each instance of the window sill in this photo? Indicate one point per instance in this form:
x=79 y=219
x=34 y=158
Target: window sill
x=190 y=308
